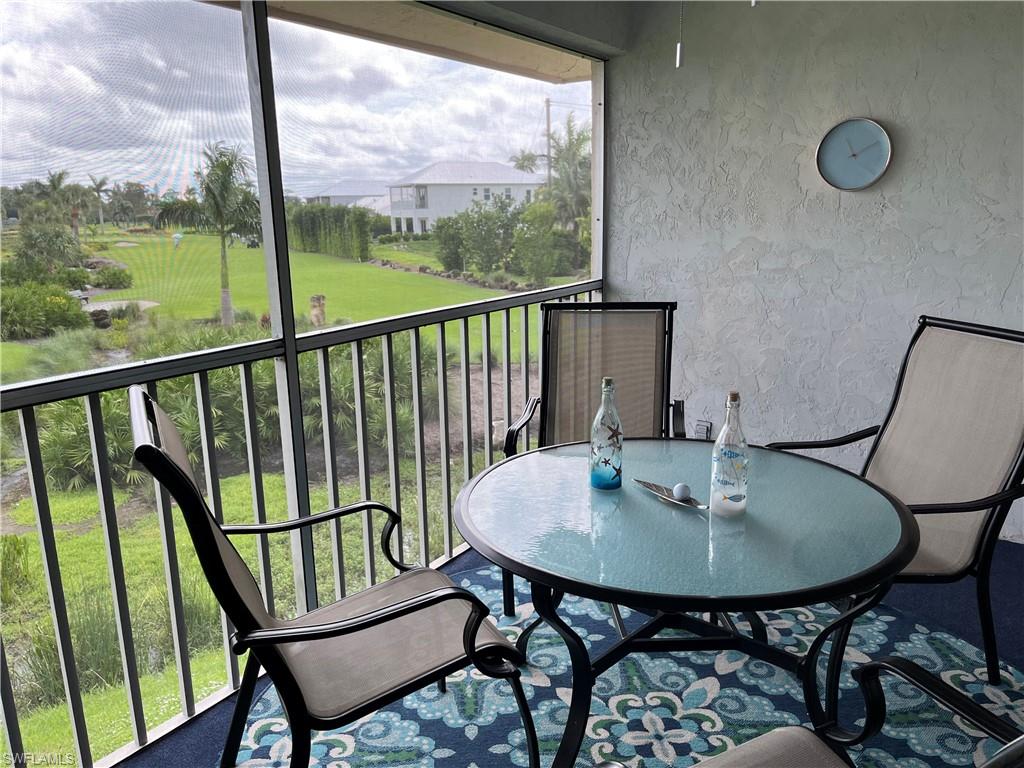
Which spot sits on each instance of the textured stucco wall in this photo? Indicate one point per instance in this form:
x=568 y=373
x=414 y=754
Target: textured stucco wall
x=802 y=296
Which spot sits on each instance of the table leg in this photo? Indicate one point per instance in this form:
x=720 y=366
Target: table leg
x=826 y=717
x=582 y=677
x=524 y=636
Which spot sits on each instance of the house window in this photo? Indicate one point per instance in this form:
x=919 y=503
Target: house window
x=508 y=193
x=474 y=191
x=487 y=194
x=529 y=196
x=421 y=197
x=398 y=224
x=408 y=225
x=423 y=226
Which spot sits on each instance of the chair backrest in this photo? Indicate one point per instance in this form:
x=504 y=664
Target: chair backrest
x=955 y=428
x=583 y=342
x=159 y=448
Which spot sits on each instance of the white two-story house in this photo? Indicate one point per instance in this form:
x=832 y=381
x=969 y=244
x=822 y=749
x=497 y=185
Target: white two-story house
x=448 y=187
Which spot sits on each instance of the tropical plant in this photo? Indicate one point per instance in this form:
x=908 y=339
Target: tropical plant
x=112 y=277
x=570 y=163
x=42 y=249
x=32 y=310
x=54 y=188
x=336 y=230
x=99 y=188
x=534 y=241
x=487 y=230
x=227 y=204
x=525 y=160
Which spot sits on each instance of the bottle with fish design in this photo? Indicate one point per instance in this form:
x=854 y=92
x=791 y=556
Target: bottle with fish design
x=729 y=460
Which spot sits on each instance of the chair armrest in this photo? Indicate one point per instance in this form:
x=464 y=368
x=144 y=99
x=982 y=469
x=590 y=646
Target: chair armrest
x=867 y=677
x=511 y=445
x=677 y=409
x=1010 y=494
x=490 y=661
x=835 y=442
x=320 y=517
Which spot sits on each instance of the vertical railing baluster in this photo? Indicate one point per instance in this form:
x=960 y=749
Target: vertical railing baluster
x=172 y=577
x=540 y=357
x=445 y=447
x=524 y=366
x=259 y=504
x=202 y=383
x=115 y=566
x=363 y=458
x=467 y=405
x=391 y=425
x=12 y=730
x=415 y=355
x=485 y=369
x=323 y=360
x=506 y=365
x=54 y=585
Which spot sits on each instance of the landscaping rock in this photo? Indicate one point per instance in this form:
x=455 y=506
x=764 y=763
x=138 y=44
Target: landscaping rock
x=100 y=318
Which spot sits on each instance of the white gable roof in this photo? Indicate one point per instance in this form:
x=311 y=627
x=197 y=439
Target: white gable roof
x=469 y=172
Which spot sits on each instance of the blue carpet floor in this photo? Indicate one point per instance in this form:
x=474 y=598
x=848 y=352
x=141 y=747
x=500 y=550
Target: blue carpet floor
x=659 y=709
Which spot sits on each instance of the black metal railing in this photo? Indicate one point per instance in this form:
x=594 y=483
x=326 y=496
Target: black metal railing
x=513 y=313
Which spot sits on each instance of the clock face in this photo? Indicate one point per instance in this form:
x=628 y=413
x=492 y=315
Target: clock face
x=854 y=154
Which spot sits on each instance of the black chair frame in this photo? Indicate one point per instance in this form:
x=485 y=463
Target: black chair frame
x=998 y=504
x=261 y=643
x=672 y=418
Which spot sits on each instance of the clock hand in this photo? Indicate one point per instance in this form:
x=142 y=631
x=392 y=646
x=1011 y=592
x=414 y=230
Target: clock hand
x=865 y=149
x=852 y=152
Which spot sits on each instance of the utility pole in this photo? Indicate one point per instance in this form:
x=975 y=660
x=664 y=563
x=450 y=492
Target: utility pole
x=547 y=115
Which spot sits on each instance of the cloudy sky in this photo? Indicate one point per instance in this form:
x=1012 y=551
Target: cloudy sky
x=133 y=90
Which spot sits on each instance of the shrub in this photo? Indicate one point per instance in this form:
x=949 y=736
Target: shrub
x=129 y=312
x=534 y=241
x=335 y=230
x=394 y=237
x=96 y=247
x=41 y=251
x=379 y=225
x=449 y=243
x=73 y=278
x=112 y=277
x=14 y=567
x=30 y=311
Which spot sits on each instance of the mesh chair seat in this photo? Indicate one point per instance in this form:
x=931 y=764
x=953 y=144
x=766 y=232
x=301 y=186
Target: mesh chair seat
x=338 y=675
x=948 y=543
x=789 y=747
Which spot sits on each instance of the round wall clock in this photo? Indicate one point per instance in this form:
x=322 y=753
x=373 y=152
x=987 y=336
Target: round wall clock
x=854 y=154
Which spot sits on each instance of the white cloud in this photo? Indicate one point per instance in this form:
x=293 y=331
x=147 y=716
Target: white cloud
x=134 y=90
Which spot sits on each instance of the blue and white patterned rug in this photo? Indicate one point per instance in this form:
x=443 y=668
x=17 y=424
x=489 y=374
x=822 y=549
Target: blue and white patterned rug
x=654 y=710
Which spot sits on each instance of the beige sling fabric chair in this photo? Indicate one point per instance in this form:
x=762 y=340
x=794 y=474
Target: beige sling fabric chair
x=345 y=660
x=952 y=449
x=798 y=747
x=582 y=342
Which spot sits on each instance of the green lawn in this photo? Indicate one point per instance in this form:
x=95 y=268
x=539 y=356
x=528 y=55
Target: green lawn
x=186 y=282
x=14 y=357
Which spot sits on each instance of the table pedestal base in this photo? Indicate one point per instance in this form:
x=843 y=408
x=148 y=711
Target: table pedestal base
x=706 y=636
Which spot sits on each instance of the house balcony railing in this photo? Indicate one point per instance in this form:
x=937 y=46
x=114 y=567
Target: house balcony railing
x=468 y=328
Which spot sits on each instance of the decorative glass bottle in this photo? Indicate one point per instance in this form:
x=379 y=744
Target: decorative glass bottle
x=729 y=464
x=606 y=442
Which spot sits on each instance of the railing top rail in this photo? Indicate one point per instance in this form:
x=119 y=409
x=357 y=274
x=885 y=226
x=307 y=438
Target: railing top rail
x=329 y=337
x=40 y=391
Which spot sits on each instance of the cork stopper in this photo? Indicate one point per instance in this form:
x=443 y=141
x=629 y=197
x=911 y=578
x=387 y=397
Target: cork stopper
x=734 y=396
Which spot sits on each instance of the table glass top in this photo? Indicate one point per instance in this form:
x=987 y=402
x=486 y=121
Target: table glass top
x=806 y=525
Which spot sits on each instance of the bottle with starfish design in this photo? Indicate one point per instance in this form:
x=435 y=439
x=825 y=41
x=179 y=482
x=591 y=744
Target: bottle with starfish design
x=606 y=442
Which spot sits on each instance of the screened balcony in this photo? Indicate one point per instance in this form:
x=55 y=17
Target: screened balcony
x=705 y=191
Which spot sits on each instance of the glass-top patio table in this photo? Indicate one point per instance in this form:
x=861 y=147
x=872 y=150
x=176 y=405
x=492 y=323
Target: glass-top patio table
x=812 y=533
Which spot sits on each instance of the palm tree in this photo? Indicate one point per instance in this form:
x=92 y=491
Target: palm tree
x=570 y=187
x=99 y=188
x=525 y=160
x=55 y=181
x=226 y=203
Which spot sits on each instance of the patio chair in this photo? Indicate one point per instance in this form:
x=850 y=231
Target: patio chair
x=797 y=747
x=952 y=448
x=345 y=660
x=583 y=342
